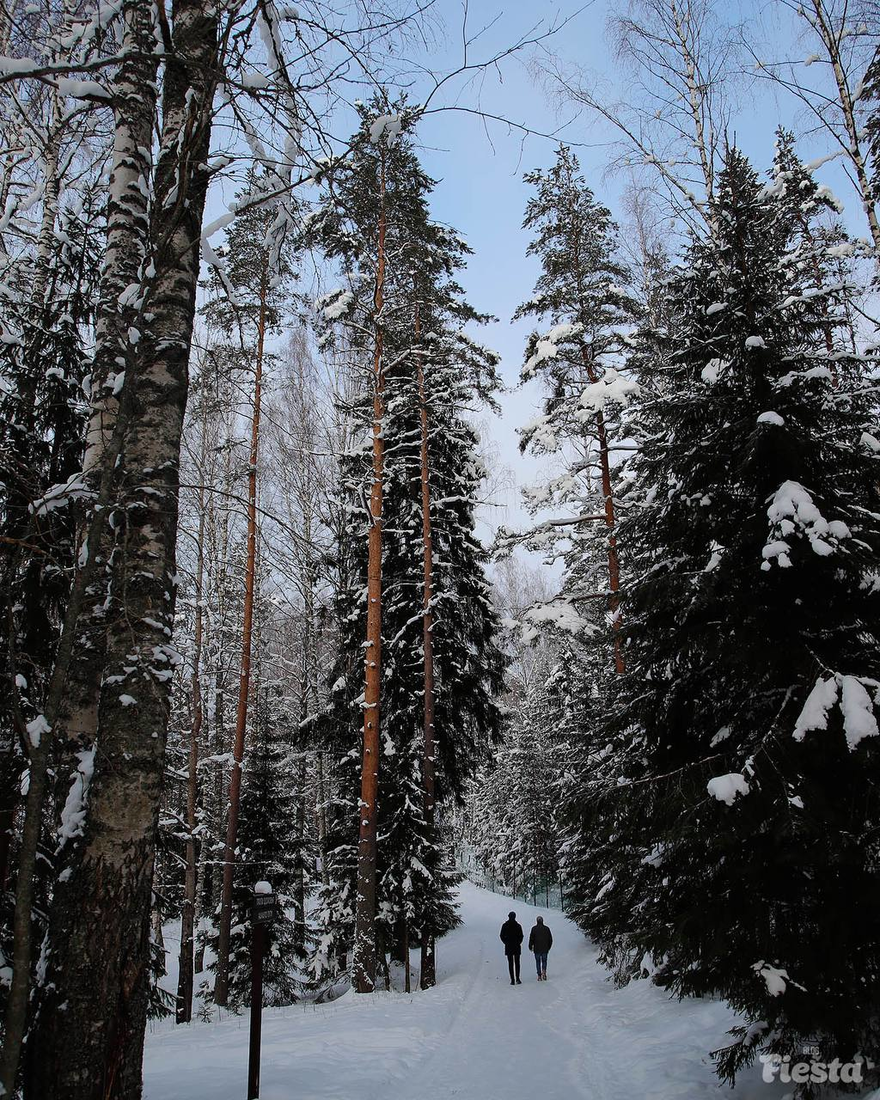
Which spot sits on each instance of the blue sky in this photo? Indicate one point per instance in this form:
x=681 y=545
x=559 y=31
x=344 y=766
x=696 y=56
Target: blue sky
x=479 y=165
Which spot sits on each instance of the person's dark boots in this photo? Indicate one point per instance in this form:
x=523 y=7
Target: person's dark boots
x=512 y=982
x=518 y=982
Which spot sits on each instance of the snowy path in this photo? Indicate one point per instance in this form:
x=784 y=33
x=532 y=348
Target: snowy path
x=474 y=1036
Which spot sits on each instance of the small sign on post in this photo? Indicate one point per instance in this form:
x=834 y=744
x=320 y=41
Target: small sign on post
x=262 y=915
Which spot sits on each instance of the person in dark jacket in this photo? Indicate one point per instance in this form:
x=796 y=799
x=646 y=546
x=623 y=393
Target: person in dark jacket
x=540 y=941
x=512 y=937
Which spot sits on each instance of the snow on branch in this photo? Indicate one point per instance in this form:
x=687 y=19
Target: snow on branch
x=793 y=511
x=385 y=129
x=547 y=347
x=59 y=496
x=559 y=614
x=727 y=788
x=612 y=387
x=775 y=979
x=335 y=304
x=852 y=694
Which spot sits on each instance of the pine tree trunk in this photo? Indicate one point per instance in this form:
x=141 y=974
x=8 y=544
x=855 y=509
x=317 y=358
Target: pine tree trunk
x=188 y=912
x=90 y=1033
x=610 y=519
x=221 y=982
x=428 y=974
x=364 y=962
x=604 y=457
x=220 y=743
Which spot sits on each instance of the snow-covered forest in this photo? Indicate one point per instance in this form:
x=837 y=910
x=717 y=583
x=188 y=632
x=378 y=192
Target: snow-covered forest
x=269 y=628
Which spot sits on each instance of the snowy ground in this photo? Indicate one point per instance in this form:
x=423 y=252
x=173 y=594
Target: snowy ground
x=474 y=1036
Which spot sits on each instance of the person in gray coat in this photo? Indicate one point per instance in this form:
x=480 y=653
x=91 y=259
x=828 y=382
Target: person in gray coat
x=540 y=941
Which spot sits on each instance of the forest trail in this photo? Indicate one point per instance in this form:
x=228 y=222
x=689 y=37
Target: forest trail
x=473 y=1037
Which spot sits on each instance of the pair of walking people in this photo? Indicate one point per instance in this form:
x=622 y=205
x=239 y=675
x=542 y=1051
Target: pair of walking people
x=540 y=941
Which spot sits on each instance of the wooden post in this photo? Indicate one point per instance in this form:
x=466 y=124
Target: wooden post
x=262 y=915
x=406 y=981
x=258 y=949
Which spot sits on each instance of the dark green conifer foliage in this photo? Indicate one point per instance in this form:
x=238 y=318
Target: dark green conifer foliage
x=731 y=818
x=266 y=845
x=48 y=312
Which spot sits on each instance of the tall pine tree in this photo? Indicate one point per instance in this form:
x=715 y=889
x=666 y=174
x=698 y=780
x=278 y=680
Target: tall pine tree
x=582 y=291
x=421 y=323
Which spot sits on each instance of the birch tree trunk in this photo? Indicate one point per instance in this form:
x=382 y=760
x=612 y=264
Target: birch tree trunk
x=307 y=707
x=820 y=20
x=126 y=248
x=299 y=895
x=364 y=954
x=321 y=816
x=90 y=1033
x=126 y=234
x=704 y=143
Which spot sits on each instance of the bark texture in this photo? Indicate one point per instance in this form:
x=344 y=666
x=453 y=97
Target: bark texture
x=134 y=110
x=428 y=974
x=90 y=1033
x=364 y=963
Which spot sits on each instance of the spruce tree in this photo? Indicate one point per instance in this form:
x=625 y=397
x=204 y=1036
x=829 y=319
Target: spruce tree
x=513 y=803
x=265 y=836
x=730 y=818
x=45 y=362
